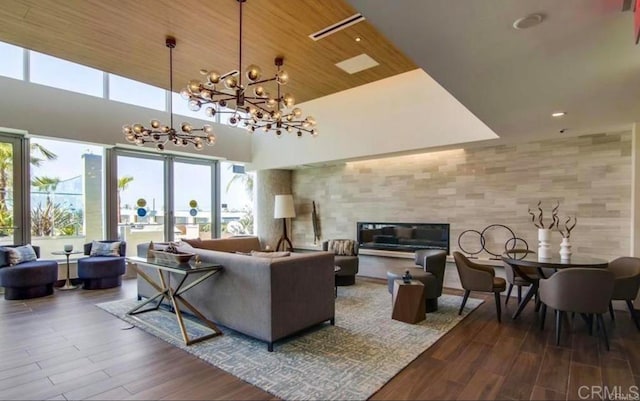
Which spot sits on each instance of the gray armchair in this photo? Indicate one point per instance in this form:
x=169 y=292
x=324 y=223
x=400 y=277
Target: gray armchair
x=514 y=279
x=581 y=290
x=477 y=277
x=430 y=272
x=626 y=271
x=346 y=256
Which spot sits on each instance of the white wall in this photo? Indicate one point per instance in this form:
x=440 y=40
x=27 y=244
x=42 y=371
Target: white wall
x=406 y=112
x=46 y=111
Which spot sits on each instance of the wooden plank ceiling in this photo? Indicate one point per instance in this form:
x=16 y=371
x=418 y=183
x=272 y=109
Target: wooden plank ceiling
x=127 y=37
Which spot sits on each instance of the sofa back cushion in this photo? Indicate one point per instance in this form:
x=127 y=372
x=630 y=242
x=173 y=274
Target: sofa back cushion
x=233 y=244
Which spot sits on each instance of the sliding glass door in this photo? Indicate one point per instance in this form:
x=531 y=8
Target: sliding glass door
x=11 y=194
x=193 y=183
x=141 y=199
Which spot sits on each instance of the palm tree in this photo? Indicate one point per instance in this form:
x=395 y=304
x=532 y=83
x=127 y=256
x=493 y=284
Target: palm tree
x=123 y=184
x=6 y=166
x=243 y=178
x=46 y=184
x=45 y=217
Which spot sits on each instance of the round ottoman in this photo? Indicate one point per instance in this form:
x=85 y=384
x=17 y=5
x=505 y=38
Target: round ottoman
x=429 y=280
x=100 y=272
x=29 y=279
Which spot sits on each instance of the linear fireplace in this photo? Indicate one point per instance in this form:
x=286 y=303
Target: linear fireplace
x=404 y=237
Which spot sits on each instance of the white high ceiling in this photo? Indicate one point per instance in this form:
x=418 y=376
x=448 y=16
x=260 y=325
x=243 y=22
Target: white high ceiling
x=581 y=59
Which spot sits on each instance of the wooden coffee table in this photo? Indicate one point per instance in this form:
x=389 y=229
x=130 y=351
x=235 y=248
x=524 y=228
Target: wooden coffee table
x=408 y=301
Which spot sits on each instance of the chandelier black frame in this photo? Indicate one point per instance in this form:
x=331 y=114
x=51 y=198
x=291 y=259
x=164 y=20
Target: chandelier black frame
x=159 y=134
x=226 y=94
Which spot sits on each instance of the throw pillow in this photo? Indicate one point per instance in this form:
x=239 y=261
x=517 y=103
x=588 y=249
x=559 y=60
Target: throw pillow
x=269 y=254
x=342 y=247
x=105 y=248
x=20 y=254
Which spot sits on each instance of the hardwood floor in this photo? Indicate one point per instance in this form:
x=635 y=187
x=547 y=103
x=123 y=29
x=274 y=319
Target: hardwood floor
x=63 y=347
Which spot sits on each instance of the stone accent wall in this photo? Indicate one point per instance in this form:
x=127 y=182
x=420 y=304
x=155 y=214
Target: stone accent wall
x=589 y=175
x=270 y=183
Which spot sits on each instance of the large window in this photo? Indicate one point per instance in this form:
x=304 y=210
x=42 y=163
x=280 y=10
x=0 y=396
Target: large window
x=236 y=200
x=62 y=74
x=12 y=61
x=66 y=194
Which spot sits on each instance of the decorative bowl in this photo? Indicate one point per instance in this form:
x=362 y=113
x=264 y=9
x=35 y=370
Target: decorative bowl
x=181 y=257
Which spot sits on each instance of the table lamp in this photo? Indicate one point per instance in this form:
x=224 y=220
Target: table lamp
x=284 y=209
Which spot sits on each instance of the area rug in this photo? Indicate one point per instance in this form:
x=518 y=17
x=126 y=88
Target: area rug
x=349 y=361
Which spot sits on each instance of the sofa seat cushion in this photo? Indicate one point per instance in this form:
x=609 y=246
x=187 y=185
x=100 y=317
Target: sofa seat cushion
x=29 y=274
x=101 y=266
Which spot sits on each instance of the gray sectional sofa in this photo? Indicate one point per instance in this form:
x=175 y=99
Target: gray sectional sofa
x=262 y=297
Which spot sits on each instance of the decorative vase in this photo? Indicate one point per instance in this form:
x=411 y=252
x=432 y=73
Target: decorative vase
x=407 y=277
x=544 y=249
x=68 y=248
x=565 y=249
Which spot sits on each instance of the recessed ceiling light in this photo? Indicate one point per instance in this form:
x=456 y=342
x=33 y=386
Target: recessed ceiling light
x=558 y=114
x=528 y=21
x=358 y=39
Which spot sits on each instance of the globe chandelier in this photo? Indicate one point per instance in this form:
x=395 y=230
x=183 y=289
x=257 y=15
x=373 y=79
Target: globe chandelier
x=159 y=134
x=257 y=109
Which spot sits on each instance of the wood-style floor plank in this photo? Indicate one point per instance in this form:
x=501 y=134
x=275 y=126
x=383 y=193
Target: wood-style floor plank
x=582 y=377
x=554 y=372
x=64 y=347
x=520 y=380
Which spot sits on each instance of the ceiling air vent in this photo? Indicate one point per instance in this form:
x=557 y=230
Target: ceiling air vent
x=330 y=30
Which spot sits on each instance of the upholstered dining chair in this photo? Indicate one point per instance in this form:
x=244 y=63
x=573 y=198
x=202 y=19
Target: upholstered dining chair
x=477 y=277
x=514 y=279
x=581 y=290
x=626 y=271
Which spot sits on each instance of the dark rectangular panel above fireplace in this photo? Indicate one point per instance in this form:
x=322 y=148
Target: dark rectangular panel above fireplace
x=404 y=237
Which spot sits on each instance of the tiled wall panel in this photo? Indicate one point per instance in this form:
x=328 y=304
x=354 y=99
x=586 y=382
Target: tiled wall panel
x=590 y=176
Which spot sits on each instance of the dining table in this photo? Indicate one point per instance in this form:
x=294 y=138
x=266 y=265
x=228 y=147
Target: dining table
x=544 y=267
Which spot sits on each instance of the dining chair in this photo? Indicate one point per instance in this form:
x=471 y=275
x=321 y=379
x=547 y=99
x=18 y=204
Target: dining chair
x=514 y=279
x=477 y=277
x=581 y=290
x=627 y=282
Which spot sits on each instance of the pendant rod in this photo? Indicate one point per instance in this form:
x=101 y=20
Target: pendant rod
x=240 y=48
x=170 y=83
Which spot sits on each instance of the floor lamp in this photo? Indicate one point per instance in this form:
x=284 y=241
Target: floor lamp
x=284 y=209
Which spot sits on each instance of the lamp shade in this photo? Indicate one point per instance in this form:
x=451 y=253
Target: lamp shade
x=284 y=207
